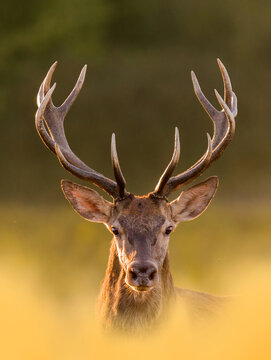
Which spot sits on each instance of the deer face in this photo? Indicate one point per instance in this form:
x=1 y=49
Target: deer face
x=141 y=226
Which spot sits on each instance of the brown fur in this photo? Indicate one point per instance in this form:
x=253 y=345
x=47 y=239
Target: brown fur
x=128 y=310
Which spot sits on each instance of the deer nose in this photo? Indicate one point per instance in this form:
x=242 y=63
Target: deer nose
x=142 y=275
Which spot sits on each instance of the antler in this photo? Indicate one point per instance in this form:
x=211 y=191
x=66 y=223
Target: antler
x=224 y=127
x=52 y=118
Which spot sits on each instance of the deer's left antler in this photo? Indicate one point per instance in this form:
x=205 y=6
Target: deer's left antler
x=224 y=127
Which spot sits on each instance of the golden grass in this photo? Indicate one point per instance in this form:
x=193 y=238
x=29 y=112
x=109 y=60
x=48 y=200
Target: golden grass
x=34 y=326
x=52 y=263
x=64 y=248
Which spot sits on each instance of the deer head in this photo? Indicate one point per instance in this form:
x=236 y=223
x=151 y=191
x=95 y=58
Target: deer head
x=141 y=225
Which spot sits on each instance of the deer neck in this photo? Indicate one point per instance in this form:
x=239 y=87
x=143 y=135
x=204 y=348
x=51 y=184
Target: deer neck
x=125 y=309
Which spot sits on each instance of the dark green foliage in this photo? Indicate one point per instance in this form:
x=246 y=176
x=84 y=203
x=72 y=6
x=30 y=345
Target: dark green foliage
x=138 y=85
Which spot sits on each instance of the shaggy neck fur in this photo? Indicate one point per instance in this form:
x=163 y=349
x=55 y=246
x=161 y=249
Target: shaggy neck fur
x=125 y=309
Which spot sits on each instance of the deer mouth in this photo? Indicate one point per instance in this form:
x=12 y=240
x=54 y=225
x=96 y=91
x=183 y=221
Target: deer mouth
x=141 y=288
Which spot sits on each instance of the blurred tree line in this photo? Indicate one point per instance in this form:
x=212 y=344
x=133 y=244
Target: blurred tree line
x=139 y=56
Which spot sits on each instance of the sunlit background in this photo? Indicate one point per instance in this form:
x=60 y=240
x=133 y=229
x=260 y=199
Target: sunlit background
x=139 y=56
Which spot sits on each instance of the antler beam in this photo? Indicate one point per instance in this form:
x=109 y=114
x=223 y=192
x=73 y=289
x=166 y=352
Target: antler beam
x=224 y=127
x=50 y=117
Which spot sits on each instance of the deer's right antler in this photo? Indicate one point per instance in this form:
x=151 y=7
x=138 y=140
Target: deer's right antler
x=52 y=118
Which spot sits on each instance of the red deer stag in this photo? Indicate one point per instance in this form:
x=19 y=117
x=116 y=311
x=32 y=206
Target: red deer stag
x=138 y=285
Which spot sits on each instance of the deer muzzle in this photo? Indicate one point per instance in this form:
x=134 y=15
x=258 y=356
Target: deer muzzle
x=142 y=276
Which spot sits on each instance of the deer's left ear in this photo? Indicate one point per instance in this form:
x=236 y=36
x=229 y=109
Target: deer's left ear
x=194 y=201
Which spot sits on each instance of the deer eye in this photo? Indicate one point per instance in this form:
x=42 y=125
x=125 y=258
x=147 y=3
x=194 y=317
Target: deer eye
x=115 y=231
x=168 y=230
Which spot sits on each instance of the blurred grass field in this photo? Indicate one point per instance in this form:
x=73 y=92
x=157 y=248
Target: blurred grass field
x=69 y=253
x=52 y=262
x=35 y=327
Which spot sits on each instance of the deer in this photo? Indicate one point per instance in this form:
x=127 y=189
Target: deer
x=138 y=287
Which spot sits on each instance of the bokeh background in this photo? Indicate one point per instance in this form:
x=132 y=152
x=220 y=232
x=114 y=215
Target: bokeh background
x=139 y=56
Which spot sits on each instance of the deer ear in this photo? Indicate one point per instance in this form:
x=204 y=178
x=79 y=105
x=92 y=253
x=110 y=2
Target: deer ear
x=87 y=202
x=194 y=201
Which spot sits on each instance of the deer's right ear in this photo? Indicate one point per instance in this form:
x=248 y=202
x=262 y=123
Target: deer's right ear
x=87 y=202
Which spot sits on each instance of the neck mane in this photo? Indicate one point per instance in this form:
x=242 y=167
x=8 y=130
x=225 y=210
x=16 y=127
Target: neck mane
x=126 y=309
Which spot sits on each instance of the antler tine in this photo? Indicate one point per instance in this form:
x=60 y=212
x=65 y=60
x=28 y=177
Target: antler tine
x=116 y=167
x=40 y=95
x=45 y=85
x=224 y=127
x=218 y=119
x=54 y=117
x=223 y=130
x=234 y=105
x=65 y=107
x=171 y=166
x=227 y=84
x=49 y=123
x=174 y=183
x=41 y=129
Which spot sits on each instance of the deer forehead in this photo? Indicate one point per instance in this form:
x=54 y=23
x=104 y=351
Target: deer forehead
x=142 y=214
